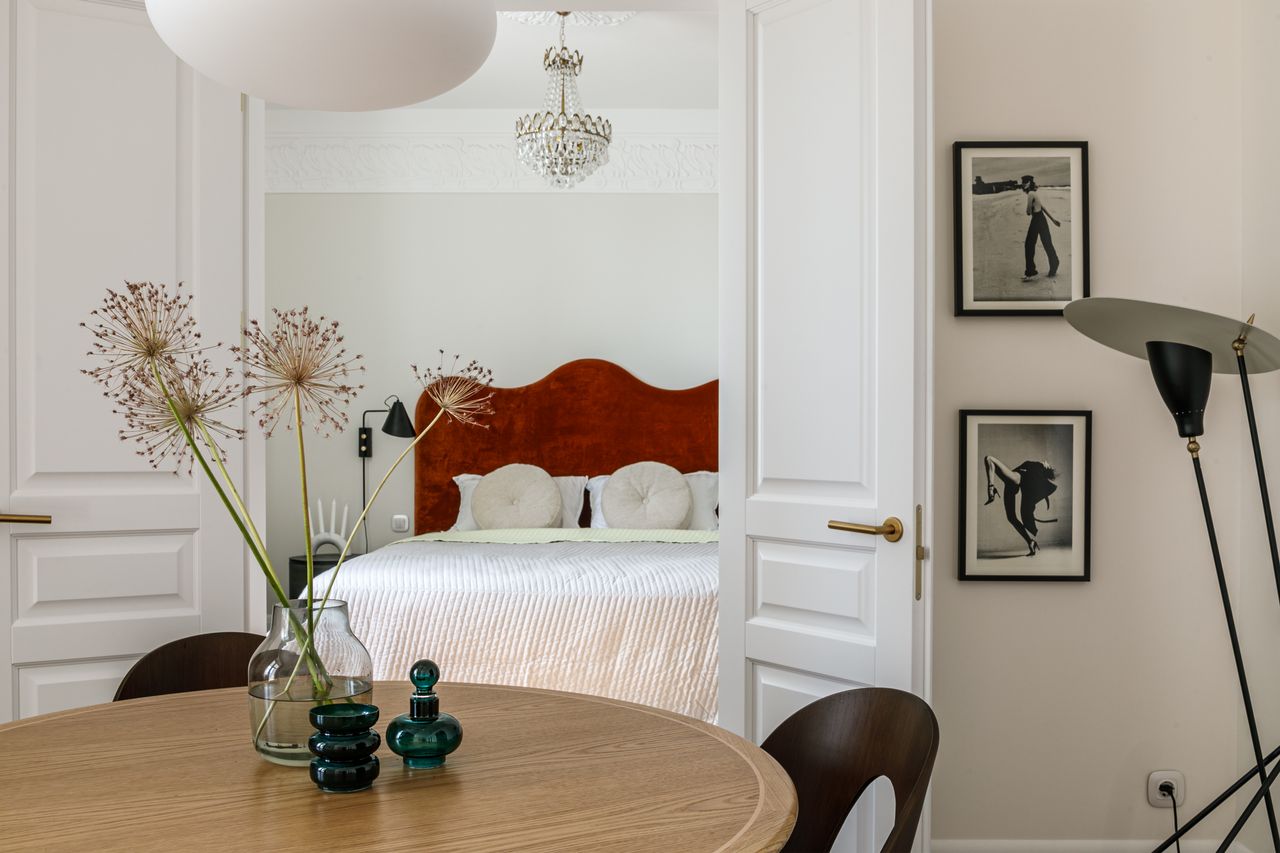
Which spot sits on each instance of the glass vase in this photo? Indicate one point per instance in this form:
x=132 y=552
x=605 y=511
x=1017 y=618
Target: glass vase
x=287 y=679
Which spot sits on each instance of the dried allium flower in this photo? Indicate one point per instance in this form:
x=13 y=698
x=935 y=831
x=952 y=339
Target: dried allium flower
x=462 y=393
x=299 y=356
x=142 y=325
x=199 y=392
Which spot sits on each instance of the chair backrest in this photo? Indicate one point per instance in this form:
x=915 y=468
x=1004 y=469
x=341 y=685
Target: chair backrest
x=836 y=747
x=199 y=662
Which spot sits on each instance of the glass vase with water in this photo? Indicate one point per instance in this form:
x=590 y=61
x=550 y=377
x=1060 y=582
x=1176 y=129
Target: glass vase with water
x=289 y=676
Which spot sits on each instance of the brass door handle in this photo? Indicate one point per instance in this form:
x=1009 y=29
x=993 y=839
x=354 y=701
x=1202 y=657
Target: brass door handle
x=12 y=518
x=891 y=530
x=921 y=553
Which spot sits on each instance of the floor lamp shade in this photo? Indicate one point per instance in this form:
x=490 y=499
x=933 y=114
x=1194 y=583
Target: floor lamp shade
x=1128 y=325
x=331 y=54
x=1182 y=375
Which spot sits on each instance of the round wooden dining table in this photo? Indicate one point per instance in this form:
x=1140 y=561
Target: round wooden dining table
x=537 y=770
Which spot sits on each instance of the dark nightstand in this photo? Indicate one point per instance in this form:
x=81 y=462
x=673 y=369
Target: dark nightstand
x=298 y=570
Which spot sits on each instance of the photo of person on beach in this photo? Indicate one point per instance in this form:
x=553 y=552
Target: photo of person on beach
x=1022 y=230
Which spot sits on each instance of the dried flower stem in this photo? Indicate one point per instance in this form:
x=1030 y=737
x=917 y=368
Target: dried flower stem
x=464 y=395
x=360 y=522
x=265 y=562
x=195 y=449
x=235 y=516
x=222 y=495
x=256 y=545
x=306 y=508
x=308 y=643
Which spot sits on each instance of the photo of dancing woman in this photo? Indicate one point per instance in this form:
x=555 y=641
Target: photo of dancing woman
x=1024 y=488
x=1024 y=494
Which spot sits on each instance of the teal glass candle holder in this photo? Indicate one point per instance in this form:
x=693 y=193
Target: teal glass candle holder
x=344 y=746
x=424 y=736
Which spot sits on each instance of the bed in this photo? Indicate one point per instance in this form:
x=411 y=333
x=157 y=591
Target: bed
x=628 y=614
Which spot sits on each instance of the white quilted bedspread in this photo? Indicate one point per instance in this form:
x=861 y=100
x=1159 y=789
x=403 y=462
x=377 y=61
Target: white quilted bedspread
x=633 y=620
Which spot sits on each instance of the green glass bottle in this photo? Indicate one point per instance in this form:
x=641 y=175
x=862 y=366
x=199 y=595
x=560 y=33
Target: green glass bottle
x=425 y=735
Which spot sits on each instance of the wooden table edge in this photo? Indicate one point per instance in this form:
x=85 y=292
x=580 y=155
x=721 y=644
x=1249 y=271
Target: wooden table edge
x=771 y=780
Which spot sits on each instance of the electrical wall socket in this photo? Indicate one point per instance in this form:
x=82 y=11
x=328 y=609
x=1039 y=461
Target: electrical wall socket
x=400 y=524
x=1158 y=799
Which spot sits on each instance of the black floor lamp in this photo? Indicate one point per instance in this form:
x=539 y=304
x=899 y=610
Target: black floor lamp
x=1185 y=348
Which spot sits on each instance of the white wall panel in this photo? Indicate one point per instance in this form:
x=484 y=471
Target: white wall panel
x=781 y=692
x=813 y=338
x=77 y=576
x=45 y=689
x=816 y=588
x=98 y=202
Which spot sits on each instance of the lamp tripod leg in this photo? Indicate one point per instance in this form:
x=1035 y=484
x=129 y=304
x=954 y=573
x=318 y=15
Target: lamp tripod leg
x=1263 y=791
x=1194 y=447
x=1257 y=461
x=1217 y=801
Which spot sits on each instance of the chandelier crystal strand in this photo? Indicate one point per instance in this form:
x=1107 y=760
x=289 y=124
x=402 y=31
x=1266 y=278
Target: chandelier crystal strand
x=562 y=143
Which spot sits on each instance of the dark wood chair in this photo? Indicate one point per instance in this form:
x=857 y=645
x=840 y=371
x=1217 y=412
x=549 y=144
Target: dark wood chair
x=836 y=747
x=199 y=662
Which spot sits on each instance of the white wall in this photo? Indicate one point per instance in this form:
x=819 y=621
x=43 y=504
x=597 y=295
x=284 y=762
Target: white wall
x=521 y=282
x=1056 y=700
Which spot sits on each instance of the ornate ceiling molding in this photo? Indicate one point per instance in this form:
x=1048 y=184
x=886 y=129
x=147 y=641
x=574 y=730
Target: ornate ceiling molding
x=322 y=156
x=576 y=19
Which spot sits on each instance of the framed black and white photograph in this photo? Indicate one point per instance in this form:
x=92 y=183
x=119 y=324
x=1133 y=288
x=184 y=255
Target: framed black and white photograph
x=1024 y=495
x=1021 y=227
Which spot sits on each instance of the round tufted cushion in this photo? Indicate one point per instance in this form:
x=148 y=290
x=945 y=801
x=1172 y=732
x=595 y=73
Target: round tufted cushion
x=647 y=496
x=516 y=496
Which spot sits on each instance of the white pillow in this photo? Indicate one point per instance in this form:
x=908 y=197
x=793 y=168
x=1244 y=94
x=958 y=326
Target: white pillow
x=516 y=497
x=595 y=489
x=572 y=494
x=647 y=496
x=704 y=487
x=466 y=488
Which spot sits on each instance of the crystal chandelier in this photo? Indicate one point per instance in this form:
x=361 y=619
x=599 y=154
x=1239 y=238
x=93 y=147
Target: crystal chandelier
x=561 y=143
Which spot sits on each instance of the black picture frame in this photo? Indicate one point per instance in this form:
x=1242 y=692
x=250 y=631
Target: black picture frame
x=967 y=304
x=1001 y=566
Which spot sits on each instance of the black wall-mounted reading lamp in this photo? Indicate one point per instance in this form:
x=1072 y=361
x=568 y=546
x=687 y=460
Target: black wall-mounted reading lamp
x=398 y=424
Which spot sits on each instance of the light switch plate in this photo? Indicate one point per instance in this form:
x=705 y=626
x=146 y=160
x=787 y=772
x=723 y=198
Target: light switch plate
x=399 y=524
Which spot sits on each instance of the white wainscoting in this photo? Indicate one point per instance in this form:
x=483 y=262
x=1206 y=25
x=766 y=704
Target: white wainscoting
x=473 y=151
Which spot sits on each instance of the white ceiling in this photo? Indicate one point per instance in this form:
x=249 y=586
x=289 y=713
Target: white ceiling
x=655 y=60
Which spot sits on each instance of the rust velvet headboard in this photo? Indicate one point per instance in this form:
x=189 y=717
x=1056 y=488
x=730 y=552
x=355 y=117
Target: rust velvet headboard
x=586 y=417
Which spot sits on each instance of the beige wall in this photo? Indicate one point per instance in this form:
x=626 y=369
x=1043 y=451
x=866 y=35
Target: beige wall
x=1259 y=617
x=1056 y=700
x=521 y=282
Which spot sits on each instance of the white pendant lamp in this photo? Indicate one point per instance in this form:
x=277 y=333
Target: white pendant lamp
x=331 y=54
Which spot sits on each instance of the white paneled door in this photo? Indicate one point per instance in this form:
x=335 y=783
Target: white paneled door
x=819 y=273
x=123 y=165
